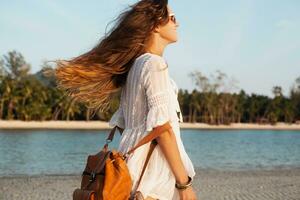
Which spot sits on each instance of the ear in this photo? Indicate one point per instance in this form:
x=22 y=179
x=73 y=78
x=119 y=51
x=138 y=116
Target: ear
x=156 y=29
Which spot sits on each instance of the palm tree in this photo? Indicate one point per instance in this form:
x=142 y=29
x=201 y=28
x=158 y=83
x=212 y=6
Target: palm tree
x=240 y=106
x=277 y=91
x=295 y=98
x=194 y=106
x=184 y=99
x=13 y=69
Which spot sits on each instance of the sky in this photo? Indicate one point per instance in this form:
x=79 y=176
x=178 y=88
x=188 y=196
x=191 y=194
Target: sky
x=255 y=42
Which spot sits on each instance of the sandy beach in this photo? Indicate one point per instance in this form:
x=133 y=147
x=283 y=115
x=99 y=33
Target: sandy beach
x=17 y=124
x=279 y=184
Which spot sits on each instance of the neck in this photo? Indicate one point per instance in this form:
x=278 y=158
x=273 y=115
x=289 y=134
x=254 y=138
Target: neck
x=157 y=46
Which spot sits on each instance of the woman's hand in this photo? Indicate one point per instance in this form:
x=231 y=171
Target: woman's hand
x=187 y=194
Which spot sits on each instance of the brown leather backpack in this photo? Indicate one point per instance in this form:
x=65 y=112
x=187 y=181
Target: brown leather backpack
x=106 y=176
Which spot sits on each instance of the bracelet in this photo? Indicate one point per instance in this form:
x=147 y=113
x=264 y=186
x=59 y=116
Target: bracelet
x=184 y=186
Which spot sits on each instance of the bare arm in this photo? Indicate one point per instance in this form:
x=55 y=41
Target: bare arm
x=167 y=143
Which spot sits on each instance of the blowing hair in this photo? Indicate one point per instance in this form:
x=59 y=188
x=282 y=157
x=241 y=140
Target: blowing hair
x=97 y=75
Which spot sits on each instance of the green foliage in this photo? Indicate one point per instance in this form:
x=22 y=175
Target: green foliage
x=216 y=104
x=26 y=96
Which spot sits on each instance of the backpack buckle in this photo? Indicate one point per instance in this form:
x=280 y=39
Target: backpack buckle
x=92 y=177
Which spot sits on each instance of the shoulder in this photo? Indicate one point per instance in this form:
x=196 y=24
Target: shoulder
x=153 y=62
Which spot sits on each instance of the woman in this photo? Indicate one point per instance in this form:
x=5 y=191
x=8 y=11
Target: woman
x=129 y=59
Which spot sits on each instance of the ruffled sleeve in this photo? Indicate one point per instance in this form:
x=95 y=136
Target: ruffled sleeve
x=117 y=118
x=156 y=83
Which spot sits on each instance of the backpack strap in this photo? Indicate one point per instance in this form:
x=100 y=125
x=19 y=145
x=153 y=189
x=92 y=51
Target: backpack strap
x=152 y=146
x=112 y=133
x=149 y=137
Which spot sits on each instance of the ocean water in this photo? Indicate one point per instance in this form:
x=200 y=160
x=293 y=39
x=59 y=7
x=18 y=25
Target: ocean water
x=37 y=152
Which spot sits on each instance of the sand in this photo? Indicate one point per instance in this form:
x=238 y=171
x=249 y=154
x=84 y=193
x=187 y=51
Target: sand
x=17 y=124
x=279 y=184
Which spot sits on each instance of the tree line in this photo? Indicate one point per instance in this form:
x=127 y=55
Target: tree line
x=26 y=96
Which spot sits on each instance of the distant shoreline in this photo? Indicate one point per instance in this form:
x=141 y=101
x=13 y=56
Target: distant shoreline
x=103 y=125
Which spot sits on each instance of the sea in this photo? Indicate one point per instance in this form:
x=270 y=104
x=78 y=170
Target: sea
x=65 y=152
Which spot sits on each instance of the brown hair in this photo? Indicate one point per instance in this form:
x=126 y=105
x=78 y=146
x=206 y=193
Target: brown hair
x=95 y=76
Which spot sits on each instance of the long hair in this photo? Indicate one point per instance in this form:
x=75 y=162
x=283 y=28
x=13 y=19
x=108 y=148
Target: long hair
x=97 y=75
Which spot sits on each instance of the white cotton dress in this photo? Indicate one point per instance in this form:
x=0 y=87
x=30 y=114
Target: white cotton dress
x=149 y=99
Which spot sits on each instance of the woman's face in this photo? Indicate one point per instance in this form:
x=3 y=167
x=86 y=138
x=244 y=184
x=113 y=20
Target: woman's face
x=169 y=31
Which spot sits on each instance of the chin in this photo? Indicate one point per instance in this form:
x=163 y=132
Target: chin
x=172 y=40
x=175 y=40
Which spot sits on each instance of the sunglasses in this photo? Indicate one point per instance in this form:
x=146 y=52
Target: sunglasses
x=173 y=18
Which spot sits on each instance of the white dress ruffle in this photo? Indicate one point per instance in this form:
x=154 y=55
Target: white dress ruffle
x=159 y=111
x=117 y=119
